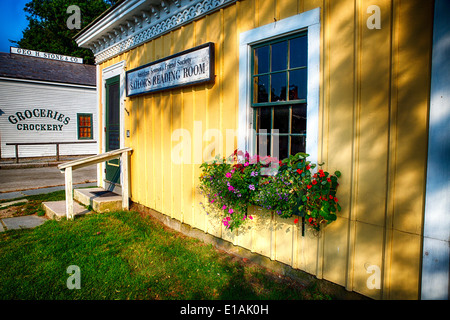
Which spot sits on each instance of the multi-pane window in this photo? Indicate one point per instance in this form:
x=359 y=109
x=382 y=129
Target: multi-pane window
x=279 y=90
x=85 y=126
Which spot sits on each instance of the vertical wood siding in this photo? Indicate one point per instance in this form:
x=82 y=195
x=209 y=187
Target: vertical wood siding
x=18 y=96
x=374 y=95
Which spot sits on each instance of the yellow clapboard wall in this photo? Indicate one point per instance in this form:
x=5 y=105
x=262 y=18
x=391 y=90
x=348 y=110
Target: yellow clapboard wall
x=374 y=93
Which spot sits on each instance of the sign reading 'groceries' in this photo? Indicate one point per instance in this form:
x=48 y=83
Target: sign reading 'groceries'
x=189 y=67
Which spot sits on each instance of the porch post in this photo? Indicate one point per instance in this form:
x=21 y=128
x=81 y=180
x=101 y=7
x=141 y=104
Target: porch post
x=124 y=180
x=69 y=197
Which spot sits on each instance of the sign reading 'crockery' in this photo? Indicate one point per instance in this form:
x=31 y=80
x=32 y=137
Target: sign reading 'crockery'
x=189 y=67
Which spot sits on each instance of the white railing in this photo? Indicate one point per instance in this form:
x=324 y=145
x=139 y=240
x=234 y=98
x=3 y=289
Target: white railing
x=68 y=167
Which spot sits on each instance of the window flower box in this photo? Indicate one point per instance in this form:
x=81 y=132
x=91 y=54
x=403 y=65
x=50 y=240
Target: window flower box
x=291 y=187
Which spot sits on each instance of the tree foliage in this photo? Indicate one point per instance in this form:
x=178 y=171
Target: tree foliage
x=47 y=29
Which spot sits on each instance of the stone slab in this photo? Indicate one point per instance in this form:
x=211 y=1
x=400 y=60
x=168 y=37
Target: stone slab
x=57 y=209
x=10 y=203
x=24 y=222
x=99 y=199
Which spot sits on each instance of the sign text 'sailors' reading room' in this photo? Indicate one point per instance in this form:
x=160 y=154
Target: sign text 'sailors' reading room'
x=185 y=68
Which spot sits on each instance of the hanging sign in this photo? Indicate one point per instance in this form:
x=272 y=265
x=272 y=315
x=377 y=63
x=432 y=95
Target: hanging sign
x=45 y=55
x=189 y=67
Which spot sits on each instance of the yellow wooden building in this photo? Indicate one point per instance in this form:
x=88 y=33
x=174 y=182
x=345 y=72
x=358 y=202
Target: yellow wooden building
x=362 y=72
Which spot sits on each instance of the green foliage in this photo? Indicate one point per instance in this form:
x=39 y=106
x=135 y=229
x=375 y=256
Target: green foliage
x=289 y=187
x=47 y=29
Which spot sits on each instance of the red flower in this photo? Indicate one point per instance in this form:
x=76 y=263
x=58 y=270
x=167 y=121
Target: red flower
x=314 y=182
x=335 y=199
x=310 y=220
x=299 y=171
x=331 y=197
x=309 y=186
x=296 y=220
x=328 y=179
x=308 y=167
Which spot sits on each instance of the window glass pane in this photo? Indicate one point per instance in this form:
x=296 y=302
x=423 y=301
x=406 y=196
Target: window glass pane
x=261 y=59
x=297 y=84
x=279 y=56
x=297 y=144
x=278 y=87
x=298 y=52
x=283 y=147
x=263 y=145
x=260 y=89
x=281 y=119
x=263 y=119
x=84 y=126
x=299 y=119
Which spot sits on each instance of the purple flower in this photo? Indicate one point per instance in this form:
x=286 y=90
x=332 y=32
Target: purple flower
x=251 y=187
x=254 y=173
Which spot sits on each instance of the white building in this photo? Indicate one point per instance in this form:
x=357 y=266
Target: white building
x=46 y=100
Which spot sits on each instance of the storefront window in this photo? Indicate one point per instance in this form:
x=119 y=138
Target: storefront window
x=84 y=126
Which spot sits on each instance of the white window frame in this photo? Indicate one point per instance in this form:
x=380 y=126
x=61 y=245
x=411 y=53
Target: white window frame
x=308 y=21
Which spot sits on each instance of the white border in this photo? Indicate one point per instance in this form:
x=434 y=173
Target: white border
x=436 y=229
x=309 y=21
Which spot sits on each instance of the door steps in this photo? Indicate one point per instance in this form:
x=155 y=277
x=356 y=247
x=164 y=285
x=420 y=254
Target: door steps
x=86 y=200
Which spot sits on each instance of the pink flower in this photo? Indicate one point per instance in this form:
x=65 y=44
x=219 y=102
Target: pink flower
x=224 y=207
x=228 y=175
x=246 y=164
x=230 y=188
x=230 y=211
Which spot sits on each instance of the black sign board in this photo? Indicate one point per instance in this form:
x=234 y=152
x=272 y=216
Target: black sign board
x=185 y=68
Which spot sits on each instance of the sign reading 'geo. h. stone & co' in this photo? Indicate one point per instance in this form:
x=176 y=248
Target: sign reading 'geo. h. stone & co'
x=189 y=67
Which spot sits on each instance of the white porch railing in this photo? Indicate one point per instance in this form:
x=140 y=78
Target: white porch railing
x=69 y=166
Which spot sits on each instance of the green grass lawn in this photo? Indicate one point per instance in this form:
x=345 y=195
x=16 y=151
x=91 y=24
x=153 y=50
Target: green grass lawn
x=125 y=255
